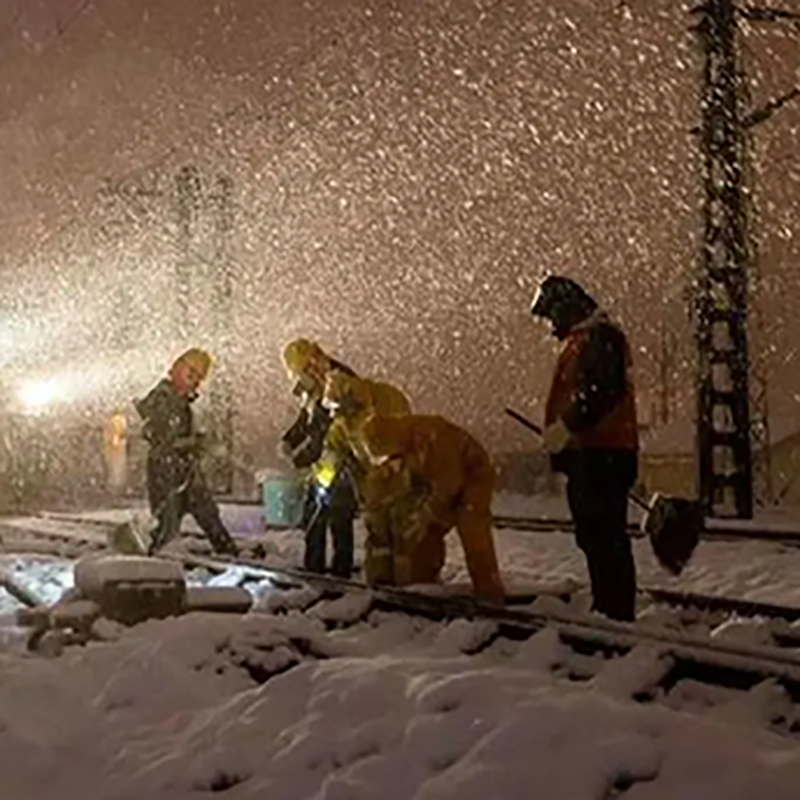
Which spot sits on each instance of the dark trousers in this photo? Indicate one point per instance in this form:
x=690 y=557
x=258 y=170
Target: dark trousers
x=190 y=497
x=597 y=491
x=332 y=510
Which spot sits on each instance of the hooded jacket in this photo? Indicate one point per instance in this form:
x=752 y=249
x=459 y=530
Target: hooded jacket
x=592 y=389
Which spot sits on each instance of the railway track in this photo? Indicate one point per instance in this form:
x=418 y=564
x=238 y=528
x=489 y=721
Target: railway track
x=714 y=530
x=647 y=663
x=718 y=605
x=652 y=663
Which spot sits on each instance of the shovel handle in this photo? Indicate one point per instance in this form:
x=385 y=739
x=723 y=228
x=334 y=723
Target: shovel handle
x=634 y=498
x=526 y=422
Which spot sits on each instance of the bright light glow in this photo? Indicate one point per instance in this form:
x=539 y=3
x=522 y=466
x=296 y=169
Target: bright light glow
x=36 y=395
x=114 y=379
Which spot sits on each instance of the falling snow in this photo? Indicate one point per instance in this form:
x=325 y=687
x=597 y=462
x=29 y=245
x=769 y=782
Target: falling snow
x=402 y=177
x=392 y=178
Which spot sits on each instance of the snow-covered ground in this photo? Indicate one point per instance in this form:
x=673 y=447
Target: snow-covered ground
x=278 y=707
x=755 y=570
x=342 y=702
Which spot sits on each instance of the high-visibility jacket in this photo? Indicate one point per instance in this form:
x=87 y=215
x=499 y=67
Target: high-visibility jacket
x=376 y=399
x=353 y=401
x=435 y=476
x=592 y=388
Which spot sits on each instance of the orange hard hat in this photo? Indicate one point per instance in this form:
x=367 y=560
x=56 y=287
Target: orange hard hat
x=197 y=359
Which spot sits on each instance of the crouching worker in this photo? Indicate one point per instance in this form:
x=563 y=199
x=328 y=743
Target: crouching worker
x=175 y=482
x=314 y=441
x=429 y=476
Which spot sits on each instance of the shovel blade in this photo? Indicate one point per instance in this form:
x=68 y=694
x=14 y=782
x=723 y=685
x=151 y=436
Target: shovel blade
x=673 y=525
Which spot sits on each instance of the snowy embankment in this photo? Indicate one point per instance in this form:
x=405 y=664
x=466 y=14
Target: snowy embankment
x=280 y=707
x=342 y=702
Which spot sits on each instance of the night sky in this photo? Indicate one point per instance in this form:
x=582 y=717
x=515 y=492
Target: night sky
x=404 y=172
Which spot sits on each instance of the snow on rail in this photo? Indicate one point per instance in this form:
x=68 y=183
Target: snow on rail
x=648 y=662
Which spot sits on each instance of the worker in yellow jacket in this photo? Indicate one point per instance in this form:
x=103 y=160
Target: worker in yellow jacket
x=316 y=441
x=429 y=476
x=353 y=400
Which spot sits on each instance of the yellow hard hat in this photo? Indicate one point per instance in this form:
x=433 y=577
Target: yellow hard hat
x=197 y=359
x=299 y=354
x=307 y=365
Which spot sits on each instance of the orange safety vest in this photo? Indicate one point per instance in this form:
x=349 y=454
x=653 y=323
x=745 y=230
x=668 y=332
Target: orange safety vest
x=618 y=429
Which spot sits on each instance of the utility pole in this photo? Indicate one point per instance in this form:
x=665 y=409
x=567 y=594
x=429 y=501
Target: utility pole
x=760 y=428
x=723 y=435
x=188 y=189
x=195 y=199
x=667 y=348
x=222 y=300
x=726 y=435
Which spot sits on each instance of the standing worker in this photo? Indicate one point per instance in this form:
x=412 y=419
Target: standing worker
x=175 y=483
x=316 y=441
x=592 y=437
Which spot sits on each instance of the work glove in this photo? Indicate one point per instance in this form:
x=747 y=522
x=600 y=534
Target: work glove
x=193 y=445
x=285 y=451
x=555 y=437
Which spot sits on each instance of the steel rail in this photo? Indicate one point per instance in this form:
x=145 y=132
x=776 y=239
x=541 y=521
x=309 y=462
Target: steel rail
x=682 y=655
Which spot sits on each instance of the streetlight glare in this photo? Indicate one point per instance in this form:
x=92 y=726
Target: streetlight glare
x=35 y=395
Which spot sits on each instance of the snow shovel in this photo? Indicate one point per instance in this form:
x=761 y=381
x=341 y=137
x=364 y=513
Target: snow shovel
x=130 y=538
x=673 y=524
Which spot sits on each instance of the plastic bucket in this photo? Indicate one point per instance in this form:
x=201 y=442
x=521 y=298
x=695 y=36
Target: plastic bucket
x=282 y=499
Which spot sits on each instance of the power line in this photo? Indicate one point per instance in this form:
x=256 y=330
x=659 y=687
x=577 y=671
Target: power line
x=761 y=14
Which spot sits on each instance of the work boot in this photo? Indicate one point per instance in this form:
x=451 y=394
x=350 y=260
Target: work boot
x=208 y=518
x=226 y=547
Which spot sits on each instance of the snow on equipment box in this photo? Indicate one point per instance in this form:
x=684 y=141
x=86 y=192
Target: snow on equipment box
x=131 y=589
x=282 y=498
x=219 y=599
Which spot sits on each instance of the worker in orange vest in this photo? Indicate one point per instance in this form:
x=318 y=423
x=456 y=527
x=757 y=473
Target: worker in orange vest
x=592 y=436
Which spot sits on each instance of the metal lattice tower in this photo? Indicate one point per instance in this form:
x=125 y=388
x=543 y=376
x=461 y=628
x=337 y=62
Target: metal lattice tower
x=733 y=440
x=188 y=192
x=195 y=197
x=222 y=399
x=723 y=435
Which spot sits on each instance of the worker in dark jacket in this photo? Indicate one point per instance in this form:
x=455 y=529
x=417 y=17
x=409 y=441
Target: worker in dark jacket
x=591 y=434
x=315 y=440
x=175 y=482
